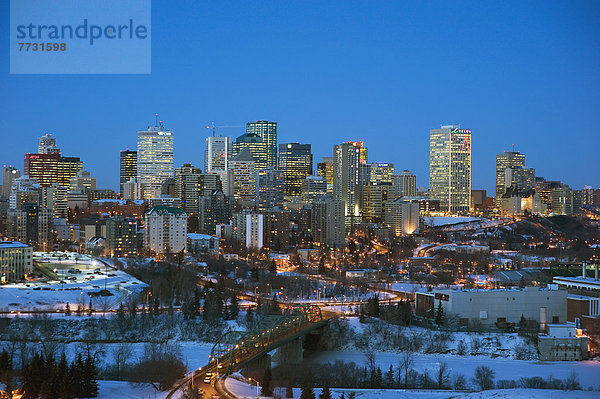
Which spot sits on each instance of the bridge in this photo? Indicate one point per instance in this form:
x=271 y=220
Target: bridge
x=238 y=349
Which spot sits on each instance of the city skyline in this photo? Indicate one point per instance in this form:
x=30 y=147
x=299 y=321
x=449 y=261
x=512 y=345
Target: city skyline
x=377 y=74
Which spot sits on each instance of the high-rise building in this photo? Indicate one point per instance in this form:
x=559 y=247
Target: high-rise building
x=165 y=230
x=188 y=183
x=374 y=197
x=83 y=180
x=47 y=145
x=450 y=168
x=42 y=167
x=268 y=132
x=154 y=158
x=296 y=162
x=328 y=221
x=269 y=188
x=312 y=187
x=9 y=173
x=218 y=153
x=276 y=229
x=347 y=158
x=511 y=172
x=402 y=216
x=562 y=201
x=256 y=145
x=325 y=170
x=244 y=176
x=128 y=167
x=68 y=167
x=121 y=236
x=214 y=209
x=405 y=184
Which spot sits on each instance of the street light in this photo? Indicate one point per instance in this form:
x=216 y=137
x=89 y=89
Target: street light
x=250 y=379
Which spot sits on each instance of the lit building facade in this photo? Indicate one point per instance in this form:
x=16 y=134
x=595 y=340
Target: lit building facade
x=244 y=176
x=268 y=132
x=347 y=158
x=296 y=162
x=405 y=184
x=127 y=167
x=507 y=159
x=154 y=158
x=9 y=173
x=450 y=168
x=256 y=145
x=328 y=222
x=188 y=183
x=402 y=216
x=269 y=188
x=217 y=154
x=15 y=260
x=165 y=230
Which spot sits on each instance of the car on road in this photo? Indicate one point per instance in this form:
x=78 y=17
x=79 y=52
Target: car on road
x=207 y=380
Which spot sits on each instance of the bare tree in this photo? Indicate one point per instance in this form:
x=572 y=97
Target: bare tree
x=484 y=377
x=121 y=354
x=406 y=361
x=443 y=375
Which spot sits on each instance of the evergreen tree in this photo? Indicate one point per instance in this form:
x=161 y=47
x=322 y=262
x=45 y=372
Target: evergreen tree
x=325 y=393
x=439 y=314
x=67 y=310
x=90 y=378
x=90 y=309
x=266 y=383
x=234 y=309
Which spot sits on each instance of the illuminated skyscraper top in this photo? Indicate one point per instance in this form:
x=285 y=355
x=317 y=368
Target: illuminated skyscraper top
x=154 y=158
x=450 y=168
x=268 y=132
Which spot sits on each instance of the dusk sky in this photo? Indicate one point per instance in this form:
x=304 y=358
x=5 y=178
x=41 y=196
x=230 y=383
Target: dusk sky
x=515 y=72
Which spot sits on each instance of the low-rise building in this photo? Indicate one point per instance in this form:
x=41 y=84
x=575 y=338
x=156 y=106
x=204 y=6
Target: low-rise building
x=563 y=342
x=495 y=306
x=202 y=244
x=15 y=260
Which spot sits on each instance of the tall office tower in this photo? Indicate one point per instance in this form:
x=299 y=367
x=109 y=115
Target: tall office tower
x=24 y=190
x=296 y=162
x=562 y=201
x=209 y=183
x=188 y=184
x=128 y=167
x=217 y=154
x=325 y=170
x=155 y=158
x=214 y=209
x=47 y=145
x=68 y=167
x=508 y=159
x=269 y=188
x=405 y=184
x=244 y=175
x=9 y=173
x=268 y=132
x=522 y=179
x=328 y=221
x=55 y=198
x=256 y=145
x=450 y=168
x=544 y=188
x=347 y=158
x=42 y=167
x=276 y=229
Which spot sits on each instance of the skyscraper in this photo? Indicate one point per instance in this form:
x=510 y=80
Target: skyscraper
x=47 y=145
x=244 y=176
x=325 y=170
x=295 y=161
x=347 y=158
x=268 y=132
x=256 y=145
x=218 y=153
x=67 y=169
x=188 y=184
x=42 y=167
x=269 y=188
x=9 y=173
x=450 y=168
x=405 y=184
x=508 y=159
x=128 y=167
x=154 y=158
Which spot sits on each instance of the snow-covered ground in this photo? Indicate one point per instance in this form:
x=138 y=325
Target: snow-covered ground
x=247 y=391
x=588 y=372
x=126 y=390
x=436 y=221
x=51 y=295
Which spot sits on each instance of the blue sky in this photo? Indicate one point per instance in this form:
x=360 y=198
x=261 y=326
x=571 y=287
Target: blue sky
x=522 y=73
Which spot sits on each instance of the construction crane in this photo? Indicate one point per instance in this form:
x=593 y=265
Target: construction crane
x=214 y=128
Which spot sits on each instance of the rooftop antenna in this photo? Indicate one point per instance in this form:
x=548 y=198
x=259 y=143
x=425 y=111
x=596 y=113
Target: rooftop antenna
x=155 y=119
